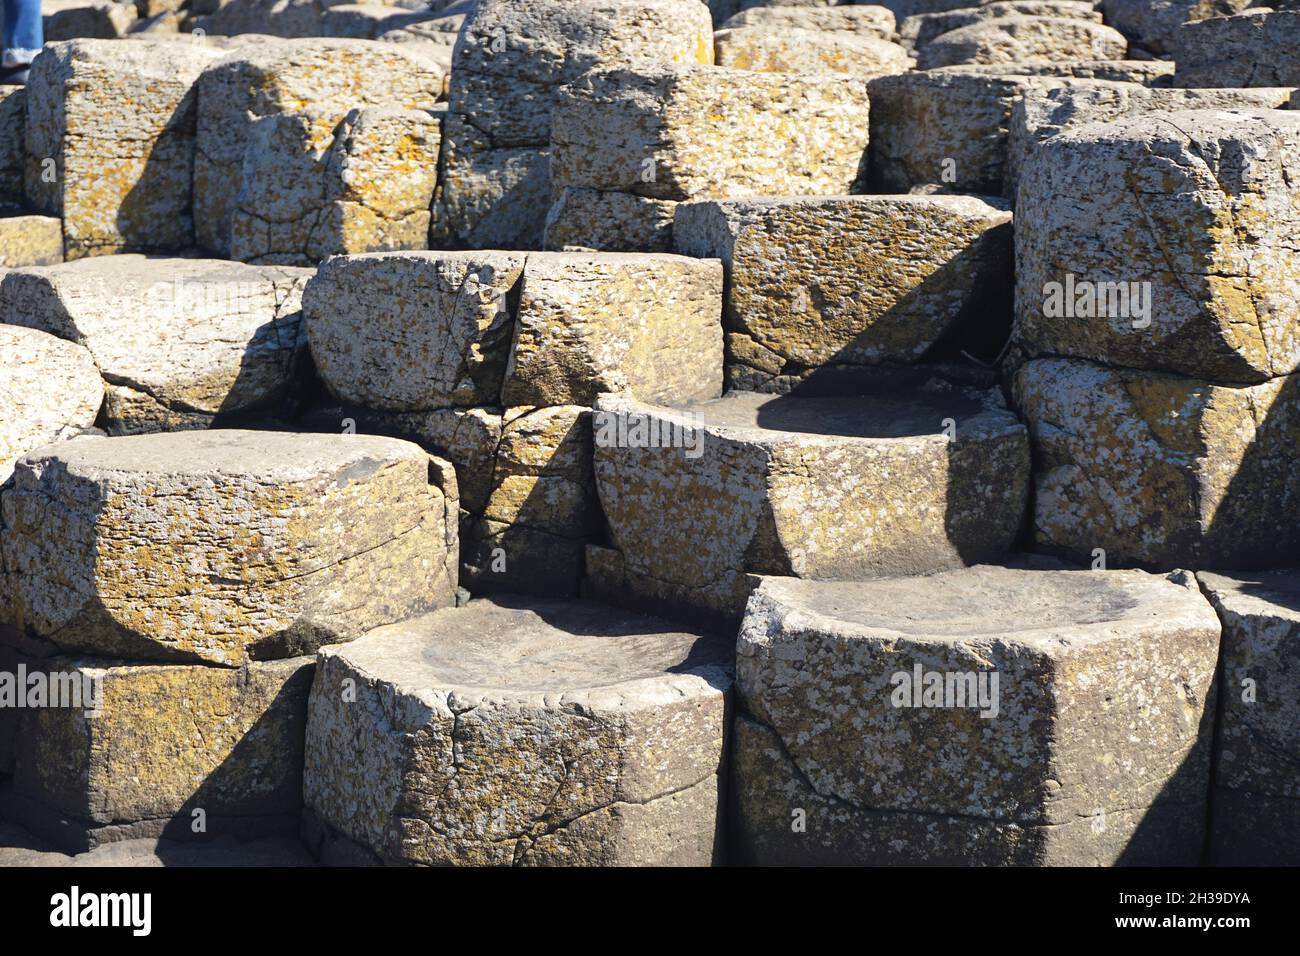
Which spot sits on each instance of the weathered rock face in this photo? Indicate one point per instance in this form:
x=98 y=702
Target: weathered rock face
x=867 y=20
x=922 y=28
x=590 y=323
x=782 y=48
x=1161 y=469
x=97 y=19
x=522 y=733
x=413 y=331
x=946 y=128
x=1154 y=24
x=13 y=124
x=1253 y=49
x=110 y=142
x=323 y=78
x=1017 y=39
x=309 y=189
x=165 y=742
x=860 y=280
x=1191 y=267
x=540 y=510
x=1092 y=747
x=30 y=241
x=223 y=546
x=697 y=497
x=50 y=391
x=669 y=134
x=1042 y=113
x=590 y=219
x=1256 y=796
x=180 y=343
x=512 y=57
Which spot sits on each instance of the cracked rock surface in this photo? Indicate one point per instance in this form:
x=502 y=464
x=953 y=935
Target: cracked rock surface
x=1252 y=49
x=525 y=732
x=178 y=342
x=1197 y=206
x=1023 y=39
x=1256 y=819
x=838 y=488
x=51 y=391
x=224 y=545
x=1095 y=748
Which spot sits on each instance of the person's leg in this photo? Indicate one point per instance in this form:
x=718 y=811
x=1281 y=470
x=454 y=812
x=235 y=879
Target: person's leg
x=23 y=34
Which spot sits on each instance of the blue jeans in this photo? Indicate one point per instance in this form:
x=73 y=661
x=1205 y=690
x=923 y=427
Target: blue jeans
x=23 y=33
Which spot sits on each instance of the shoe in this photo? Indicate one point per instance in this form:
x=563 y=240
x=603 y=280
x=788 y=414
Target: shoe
x=14 y=75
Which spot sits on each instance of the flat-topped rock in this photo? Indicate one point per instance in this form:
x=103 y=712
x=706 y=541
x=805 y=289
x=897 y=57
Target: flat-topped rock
x=180 y=343
x=700 y=496
x=522 y=732
x=989 y=715
x=646 y=324
x=1154 y=25
x=867 y=19
x=50 y=391
x=1019 y=39
x=225 y=545
x=1042 y=113
x=412 y=331
x=1161 y=469
x=1256 y=795
x=98 y=19
x=30 y=241
x=110 y=142
x=514 y=56
x=790 y=49
x=848 y=280
x=325 y=77
x=1216 y=300
x=156 y=743
x=1252 y=49
x=922 y=28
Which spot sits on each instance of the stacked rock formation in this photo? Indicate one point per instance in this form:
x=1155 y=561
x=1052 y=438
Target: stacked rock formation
x=651 y=432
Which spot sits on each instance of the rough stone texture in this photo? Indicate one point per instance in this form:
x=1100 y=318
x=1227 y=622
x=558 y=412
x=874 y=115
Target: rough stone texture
x=98 y=19
x=922 y=28
x=309 y=190
x=413 y=331
x=1160 y=469
x=110 y=142
x=1154 y=24
x=608 y=221
x=180 y=343
x=1256 y=797
x=522 y=733
x=325 y=78
x=1146 y=72
x=541 y=509
x=512 y=58
x=1097 y=751
x=866 y=20
x=944 y=128
x=50 y=391
x=227 y=545
x=860 y=280
x=1042 y=113
x=588 y=323
x=1253 y=49
x=1019 y=39
x=13 y=122
x=788 y=49
x=709 y=133
x=777 y=485
x=167 y=740
x=1206 y=216
x=30 y=241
